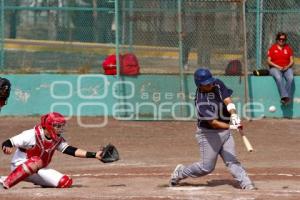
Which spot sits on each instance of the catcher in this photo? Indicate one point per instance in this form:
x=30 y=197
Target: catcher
x=4 y=91
x=35 y=148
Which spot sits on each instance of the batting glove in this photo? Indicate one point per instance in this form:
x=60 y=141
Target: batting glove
x=235 y=127
x=235 y=120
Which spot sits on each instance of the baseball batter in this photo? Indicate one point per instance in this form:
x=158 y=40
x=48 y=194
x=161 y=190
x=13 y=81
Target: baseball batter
x=35 y=148
x=4 y=91
x=216 y=118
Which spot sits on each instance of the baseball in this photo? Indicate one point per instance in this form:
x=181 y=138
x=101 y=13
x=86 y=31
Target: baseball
x=272 y=108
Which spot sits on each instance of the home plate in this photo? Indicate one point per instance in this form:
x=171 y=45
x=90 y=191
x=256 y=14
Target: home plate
x=186 y=188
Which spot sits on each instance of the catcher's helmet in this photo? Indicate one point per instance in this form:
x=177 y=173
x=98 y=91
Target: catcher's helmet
x=54 y=123
x=4 y=91
x=203 y=77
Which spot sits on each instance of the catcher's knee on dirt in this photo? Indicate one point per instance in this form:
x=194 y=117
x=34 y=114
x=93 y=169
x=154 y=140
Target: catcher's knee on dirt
x=65 y=182
x=31 y=166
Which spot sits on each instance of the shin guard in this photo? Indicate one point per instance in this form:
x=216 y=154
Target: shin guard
x=21 y=172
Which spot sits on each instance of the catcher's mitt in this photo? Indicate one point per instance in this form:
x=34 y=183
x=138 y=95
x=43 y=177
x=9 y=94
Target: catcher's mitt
x=109 y=154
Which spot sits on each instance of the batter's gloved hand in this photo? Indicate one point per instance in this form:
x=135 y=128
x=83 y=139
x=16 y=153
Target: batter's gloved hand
x=234 y=119
x=236 y=127
x=233 y=127
x=109 y=154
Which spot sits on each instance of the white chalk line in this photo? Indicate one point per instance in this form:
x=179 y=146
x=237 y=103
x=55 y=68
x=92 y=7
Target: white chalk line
x=164 y=174
x=182 y=188
x=141 y=165
x=145 y=197
x=195 y=194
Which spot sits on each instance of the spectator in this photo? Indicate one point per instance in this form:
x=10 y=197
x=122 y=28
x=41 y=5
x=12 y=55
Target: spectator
x=280 y=60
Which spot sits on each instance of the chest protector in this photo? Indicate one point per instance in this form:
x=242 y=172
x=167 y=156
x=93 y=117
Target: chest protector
x=43 y=148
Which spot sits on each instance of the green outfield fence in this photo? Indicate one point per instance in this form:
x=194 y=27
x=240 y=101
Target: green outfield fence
x=75 y=36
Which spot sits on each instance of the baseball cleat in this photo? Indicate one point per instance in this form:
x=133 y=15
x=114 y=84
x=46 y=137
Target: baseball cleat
x=1 y=182
x=250 y=187
x=285 y=100
x=2 y=179
x=175 y=176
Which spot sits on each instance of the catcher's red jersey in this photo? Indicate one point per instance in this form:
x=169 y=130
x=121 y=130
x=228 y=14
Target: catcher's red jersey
x=43 y=148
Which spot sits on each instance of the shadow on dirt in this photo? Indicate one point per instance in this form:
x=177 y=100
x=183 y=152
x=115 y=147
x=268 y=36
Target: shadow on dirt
x=211 y=183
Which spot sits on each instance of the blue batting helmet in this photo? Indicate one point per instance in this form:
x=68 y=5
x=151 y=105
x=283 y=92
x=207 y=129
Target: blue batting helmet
x=203 y=77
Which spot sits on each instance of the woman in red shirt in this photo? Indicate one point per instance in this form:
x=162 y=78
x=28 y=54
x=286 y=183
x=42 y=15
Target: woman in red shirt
x=280 y=60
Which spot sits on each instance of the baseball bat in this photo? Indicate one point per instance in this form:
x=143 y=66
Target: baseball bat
x=246 y=142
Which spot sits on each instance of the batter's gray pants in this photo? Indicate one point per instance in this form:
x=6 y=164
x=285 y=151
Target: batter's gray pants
x=214 y=142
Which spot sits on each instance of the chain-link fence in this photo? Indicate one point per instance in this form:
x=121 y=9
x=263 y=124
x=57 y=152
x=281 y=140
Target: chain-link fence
x=265 y=18
x=57 y=35
x=166 y=35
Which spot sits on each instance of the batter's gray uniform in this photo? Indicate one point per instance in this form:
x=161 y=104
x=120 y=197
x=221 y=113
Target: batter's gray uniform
x=213 y=142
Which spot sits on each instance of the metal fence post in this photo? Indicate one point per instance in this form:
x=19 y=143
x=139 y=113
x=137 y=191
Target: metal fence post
x=2 y=35
x=183 y=84
x=117 y=36
x=259 y=16
x=130 y=26
x=179 y=13
x=246 y=78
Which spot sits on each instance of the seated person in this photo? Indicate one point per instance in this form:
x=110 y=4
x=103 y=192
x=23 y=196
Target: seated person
x=280 y=60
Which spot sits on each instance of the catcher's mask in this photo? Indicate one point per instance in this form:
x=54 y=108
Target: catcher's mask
x=54 y=123
x=4 y=91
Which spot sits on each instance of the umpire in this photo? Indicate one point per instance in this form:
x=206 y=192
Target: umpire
x=217 y=116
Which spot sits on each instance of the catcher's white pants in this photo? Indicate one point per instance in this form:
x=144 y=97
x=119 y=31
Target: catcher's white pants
x=45 y=177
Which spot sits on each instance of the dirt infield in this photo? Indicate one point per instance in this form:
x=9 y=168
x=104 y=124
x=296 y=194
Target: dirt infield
x=150 y=151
